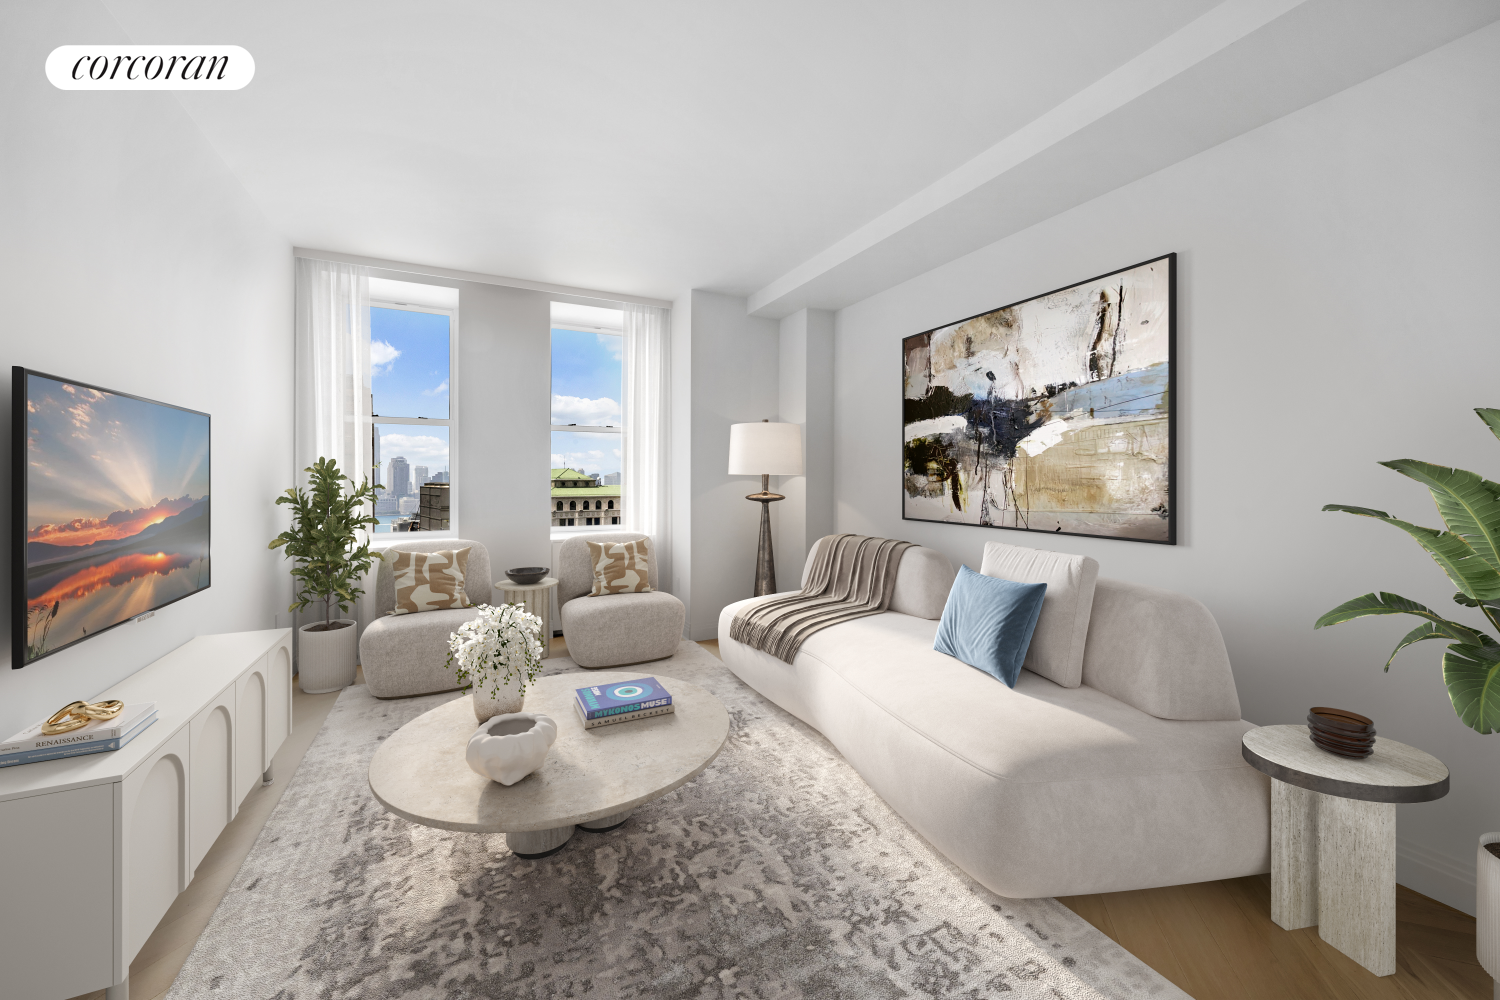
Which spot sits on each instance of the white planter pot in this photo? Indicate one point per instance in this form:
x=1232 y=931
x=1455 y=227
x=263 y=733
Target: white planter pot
x=1487 y=910
x=326 y=660
x=486 y=703
x=509 y=747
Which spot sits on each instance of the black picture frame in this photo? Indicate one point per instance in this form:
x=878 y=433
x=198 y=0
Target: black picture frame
x=18 y=506
x=1172 y=492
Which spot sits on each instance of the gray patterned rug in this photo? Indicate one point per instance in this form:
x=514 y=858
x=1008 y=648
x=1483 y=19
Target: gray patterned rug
x=776 y=873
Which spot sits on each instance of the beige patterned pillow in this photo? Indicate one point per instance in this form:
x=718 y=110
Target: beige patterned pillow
x=621 y=567
x=429 y=581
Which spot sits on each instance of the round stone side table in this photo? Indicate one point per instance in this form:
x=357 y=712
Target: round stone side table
x=1333 y=836
x=534 y=597
x=593 y=778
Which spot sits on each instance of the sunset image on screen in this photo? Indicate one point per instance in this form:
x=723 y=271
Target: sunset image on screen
x=117 y=510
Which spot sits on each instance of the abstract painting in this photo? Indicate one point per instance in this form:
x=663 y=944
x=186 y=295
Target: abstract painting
x=116 y=511
x=1051 y=414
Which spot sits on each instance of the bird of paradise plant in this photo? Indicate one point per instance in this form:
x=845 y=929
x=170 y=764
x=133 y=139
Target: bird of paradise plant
x=1469 y=552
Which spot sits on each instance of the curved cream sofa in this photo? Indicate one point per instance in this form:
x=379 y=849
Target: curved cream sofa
x=1131 y=780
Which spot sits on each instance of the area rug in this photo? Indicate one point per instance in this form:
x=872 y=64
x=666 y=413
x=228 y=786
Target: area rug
x=776 y=873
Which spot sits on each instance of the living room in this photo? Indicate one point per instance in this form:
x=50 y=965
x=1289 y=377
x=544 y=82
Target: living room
x=748 y=214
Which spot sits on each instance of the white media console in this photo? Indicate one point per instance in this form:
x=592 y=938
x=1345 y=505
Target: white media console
x=93 y=849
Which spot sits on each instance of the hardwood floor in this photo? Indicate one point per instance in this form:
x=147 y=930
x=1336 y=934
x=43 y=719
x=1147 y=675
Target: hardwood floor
x=1216 y=940
x=165 y=951
x=1213 y=939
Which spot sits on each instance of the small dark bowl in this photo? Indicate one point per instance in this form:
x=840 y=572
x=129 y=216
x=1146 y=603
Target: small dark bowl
x=1339 y=720
x=1336 y=731
x=1346 y=742
x=527 y=574
x=1341 y=751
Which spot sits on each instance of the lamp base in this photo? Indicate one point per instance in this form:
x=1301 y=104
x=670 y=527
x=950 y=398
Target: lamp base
x=765 y=558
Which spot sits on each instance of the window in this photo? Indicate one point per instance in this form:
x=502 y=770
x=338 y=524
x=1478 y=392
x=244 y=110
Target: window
x=586 y=418
x=412 y=343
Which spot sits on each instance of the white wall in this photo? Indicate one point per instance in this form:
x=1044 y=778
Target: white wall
x=1336 y=280
x=724 y=371
x=131 y=258
x=805 y=360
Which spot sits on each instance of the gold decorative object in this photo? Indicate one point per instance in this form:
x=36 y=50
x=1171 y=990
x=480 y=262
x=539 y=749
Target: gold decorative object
x=78 y=714
x=100 y=709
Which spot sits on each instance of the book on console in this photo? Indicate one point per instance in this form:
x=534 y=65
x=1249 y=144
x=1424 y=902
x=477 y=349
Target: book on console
x=598 y=701
x=609 y=720
x=37 y=755
x=97 y=731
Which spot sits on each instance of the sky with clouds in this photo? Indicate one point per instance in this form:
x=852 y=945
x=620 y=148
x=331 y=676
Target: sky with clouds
x=100 y=465
x=409 y=363
x=586 y=380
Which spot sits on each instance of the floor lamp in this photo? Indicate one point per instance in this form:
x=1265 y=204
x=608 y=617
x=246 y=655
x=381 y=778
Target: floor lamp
x=765 y=450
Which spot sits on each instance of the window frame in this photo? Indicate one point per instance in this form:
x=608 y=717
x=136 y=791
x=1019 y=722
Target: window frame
x=451 y=421
x=565 y=530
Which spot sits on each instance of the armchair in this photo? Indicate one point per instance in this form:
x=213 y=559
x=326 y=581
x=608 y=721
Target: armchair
x=613 y=629
x=406 y=655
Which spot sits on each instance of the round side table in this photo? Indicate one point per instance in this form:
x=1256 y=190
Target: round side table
x=1333 y=836
x=534 y=597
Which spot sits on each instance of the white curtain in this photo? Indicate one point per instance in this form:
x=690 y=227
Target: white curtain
x=333 y=381
x=333 y=367
x=647 y=427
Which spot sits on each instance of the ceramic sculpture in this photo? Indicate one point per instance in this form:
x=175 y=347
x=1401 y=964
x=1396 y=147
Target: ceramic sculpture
x=509 y=747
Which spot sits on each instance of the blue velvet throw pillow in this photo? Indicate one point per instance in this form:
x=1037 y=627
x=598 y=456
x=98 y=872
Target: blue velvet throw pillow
x=987 y=623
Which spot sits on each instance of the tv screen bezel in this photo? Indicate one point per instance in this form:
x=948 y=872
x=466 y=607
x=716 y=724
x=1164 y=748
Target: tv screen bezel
x=18 y=481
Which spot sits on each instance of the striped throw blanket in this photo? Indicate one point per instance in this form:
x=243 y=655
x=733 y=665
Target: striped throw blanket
x=852 y=577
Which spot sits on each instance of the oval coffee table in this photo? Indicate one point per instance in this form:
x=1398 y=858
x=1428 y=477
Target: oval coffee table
x=591 y=778
x=1333 y=836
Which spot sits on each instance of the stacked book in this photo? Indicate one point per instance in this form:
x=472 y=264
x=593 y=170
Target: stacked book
x=100 y=735
x=605 y=704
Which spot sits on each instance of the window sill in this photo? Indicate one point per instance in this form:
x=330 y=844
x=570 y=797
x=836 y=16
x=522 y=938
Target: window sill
x=563 y=534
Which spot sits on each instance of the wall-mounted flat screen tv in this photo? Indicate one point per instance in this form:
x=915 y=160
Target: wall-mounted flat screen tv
x=109 y=509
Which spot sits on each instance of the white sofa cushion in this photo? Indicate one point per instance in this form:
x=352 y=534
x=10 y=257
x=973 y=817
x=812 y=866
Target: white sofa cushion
x=1160 y=652
x=1056 y=650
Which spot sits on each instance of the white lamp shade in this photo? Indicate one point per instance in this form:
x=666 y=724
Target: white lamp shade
x=765 y=449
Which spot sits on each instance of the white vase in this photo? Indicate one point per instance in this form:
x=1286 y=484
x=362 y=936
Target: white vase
x=326 y=660
x=487 y=705
x=509 y=747
x=1487 y=910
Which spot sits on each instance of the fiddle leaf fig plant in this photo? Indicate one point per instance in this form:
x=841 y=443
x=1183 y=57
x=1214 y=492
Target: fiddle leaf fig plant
x=1469 y=552
x=324 y=542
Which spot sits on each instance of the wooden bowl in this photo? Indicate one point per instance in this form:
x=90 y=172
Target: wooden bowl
x=1337 y=720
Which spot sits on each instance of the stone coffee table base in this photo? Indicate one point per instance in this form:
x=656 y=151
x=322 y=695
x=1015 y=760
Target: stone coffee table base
x=592 y=779
x=1333 y=836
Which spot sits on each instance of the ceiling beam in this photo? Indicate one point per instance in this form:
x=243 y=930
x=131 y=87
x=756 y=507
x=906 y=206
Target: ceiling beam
x=1239 y=66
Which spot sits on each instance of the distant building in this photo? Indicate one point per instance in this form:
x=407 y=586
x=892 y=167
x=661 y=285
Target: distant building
x=398 y=477
x=439 y=477
x=387 y=505
x=580 y=500
x=613 y=479
x=409 y=505
x=421 y=475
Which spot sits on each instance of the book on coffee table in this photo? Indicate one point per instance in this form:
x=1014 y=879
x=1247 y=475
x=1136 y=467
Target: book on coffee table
x=609 y=720
x=601 y=704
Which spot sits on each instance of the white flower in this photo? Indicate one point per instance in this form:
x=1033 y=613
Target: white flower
x=500 y=645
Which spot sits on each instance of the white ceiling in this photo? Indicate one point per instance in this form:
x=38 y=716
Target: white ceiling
x=645 y=147
x=651 y=147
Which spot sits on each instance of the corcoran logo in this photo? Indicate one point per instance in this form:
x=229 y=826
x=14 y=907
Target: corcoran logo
x=150 y=67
